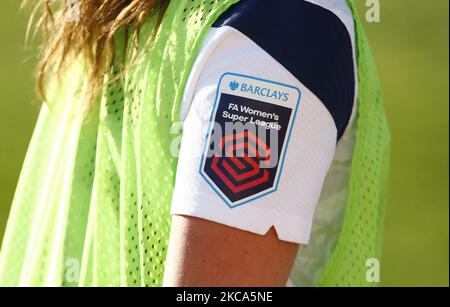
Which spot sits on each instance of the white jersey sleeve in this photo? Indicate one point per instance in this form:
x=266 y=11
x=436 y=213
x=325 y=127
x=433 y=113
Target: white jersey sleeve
x=257 y=141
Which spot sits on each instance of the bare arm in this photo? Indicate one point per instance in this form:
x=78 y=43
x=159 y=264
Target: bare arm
x=204 y=253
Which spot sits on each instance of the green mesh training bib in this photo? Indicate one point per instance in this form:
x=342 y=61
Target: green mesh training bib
x=92 y=204
x=361 y=236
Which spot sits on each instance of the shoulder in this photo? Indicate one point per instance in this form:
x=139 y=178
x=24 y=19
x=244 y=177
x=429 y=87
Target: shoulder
x=312 y=39
x=293 y=24
x=257 y=15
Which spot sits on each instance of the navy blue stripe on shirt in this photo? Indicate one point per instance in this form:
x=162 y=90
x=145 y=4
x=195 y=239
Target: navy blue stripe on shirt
x=309 y=41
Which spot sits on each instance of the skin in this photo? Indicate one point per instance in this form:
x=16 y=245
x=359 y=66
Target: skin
x=203 y=253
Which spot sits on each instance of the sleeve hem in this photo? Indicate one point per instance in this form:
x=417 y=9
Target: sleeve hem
x=293 y=229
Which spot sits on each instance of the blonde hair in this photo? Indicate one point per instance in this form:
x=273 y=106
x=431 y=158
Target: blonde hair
x=73 y=28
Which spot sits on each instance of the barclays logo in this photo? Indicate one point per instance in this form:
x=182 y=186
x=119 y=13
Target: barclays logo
x=234 y=85
x=258 y=90
x=264 y=92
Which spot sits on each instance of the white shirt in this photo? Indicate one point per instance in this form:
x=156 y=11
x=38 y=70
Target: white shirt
x=268 y=72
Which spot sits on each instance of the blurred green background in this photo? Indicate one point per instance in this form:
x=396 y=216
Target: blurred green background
x=411 y=48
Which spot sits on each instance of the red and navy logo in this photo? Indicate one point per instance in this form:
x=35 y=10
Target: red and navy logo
x=248 y=137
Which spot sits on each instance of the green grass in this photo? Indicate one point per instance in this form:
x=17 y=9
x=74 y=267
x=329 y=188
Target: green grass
x=411 y=49
x=18 y=100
